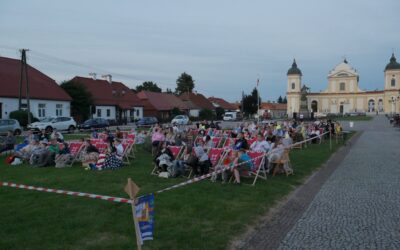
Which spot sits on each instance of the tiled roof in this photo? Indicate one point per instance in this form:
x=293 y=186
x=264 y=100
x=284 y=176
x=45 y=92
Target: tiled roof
x=161 y=101
x=222 y=103
x=273 y=106
x=199 y=101
x=40 y=85
x=112 y=94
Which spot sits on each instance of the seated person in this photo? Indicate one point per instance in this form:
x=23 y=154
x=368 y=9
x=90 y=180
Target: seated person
x=26 y=152
x=7 y=142
x=90 y=154
x=43 y=135
x=164 y=158
x=203 y=164
x=241 y=164
x=276 y=154
x=119 y=134
x=41 y=156
x=208 y=143
x=260 y=145
x=114 y=159
x=57 y=135
x=180 y=165
x=287 y=141
x=241 y=143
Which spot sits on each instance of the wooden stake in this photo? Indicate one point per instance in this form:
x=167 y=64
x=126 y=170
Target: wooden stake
x=132 y=189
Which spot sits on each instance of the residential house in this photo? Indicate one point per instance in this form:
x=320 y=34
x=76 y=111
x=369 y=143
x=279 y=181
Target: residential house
x=47 y=98
x=219 y=102
x=196 y=102
x=273 y=110
x=112 y=100
x=161 y=104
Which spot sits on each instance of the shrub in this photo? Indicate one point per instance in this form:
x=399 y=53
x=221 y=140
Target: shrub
x=206 y=114
x=22 y=117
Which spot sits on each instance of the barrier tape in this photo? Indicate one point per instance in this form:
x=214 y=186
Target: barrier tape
x=65 y=192
x=200 y=178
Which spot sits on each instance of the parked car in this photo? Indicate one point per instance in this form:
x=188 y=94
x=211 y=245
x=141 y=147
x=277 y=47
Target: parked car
x=10 y=124
x=94 y=123
x=180 y=120
x=147 y=121
x=60 y=123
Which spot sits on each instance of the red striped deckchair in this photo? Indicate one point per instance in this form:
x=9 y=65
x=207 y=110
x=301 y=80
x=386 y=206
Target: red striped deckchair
x=74 y=149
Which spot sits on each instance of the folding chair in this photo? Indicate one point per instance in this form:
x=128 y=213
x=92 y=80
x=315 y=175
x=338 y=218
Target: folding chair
x=215 y=156
x=74 y=149
x=229 y=142
x=216 y=141
x=259 y=167
x=102 y=147
x=280 y=164
x=251 y=140
x=127 y=149
x=176 y=152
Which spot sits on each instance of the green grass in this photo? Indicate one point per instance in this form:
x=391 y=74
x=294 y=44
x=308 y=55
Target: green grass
x=204 y=215
x=354 y=118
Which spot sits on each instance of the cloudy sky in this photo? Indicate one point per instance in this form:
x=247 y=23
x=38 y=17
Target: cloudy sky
x=224 y=45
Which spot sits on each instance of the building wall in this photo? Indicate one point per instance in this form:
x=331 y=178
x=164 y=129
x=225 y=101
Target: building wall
x=106 y=112
x=194 y=112
x=47 y=108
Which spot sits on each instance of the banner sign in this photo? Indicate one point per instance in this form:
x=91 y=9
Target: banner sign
x=145 y=216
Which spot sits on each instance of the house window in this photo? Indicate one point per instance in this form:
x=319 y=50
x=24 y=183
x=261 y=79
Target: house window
x=293 y=85
x=59 y=108
x=99 y=113
x=108 y=112
x=41 y=109
x=342 y=86
x=393 y=82
x=137 y=112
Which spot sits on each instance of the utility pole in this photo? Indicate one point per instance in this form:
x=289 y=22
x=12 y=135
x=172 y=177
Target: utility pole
x=24 y=67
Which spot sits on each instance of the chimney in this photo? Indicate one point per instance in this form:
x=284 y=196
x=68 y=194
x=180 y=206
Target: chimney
x=108 y=78
x=93 y=75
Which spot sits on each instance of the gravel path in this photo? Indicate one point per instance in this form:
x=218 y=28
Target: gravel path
x=358 y=207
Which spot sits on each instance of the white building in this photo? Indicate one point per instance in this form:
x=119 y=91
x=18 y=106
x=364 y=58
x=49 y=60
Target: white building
x=112 y=100
x=47 y=98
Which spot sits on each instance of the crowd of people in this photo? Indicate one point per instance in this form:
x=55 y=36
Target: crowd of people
x=50 y=149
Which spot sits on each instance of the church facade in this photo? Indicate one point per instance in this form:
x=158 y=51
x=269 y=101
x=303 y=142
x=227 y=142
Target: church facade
x=343 y=94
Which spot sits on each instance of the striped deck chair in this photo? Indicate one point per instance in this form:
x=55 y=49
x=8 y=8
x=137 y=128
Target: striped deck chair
x=251 y=140
x=259 y=166
x=229 y=142
x=125 y=155
x=217 y=141
x=74 y=149
x=102 y=147
x=176 y=152
x=216 y=156
x=258 y=170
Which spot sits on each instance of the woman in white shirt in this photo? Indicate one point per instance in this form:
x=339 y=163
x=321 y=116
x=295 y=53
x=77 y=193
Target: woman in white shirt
x=114 y=160
x=260 y=145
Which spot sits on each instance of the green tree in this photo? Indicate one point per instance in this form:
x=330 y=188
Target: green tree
x=284 y=100
x=280 y=100
x=175 y=111
x=169 y=91
x=22 y=117
x=184 y=83
x=250 y=102
x=81 y=99
x=206 y=114
x=219 y=112
x=148 y=86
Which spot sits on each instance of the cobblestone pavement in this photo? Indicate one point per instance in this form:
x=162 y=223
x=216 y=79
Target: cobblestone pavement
x=358 y=207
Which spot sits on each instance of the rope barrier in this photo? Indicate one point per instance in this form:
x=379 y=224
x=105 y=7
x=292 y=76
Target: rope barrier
x=65 y=192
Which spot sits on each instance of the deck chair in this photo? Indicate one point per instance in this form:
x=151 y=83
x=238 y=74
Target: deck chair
x=283 y=164
x=215 y=155
x=102 y=147
x=127 y=150
x=74 y=149
x=229 y=142
x=251 y=140
x=216 y=141
x=176 y=152
x=258 y=170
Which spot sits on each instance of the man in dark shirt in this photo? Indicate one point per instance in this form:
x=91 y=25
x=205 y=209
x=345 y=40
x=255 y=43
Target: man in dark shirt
x=7 y=142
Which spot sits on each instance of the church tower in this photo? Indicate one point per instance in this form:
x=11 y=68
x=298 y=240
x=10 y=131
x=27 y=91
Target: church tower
x=293 y=90
x=392 y=86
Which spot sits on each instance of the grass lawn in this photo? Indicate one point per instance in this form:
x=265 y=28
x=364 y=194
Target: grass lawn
x=204 y=215
x=354 y=118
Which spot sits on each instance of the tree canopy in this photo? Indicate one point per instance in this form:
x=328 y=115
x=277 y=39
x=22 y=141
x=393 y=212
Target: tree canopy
x=280 y=100
x=184 y=83
x=81 y=99
x=250 y=102
x=148 y=86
